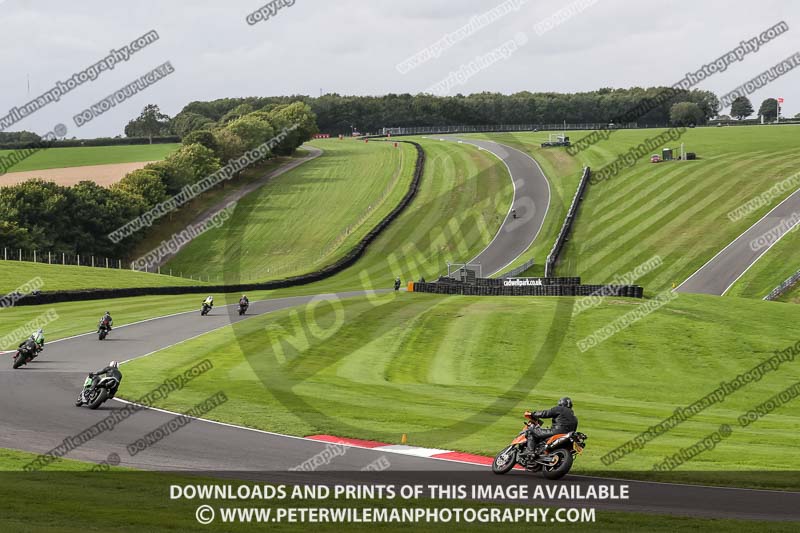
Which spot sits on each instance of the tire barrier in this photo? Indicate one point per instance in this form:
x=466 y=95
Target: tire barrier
x=558 y=246
x=629 y=291
x=48 y=297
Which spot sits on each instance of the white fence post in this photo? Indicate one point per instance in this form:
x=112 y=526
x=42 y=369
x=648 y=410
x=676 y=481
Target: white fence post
x=79 y=259
x=34 y=256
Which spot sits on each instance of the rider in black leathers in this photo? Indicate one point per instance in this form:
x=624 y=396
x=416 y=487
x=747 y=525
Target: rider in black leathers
x=564 y=421
x=111 y=370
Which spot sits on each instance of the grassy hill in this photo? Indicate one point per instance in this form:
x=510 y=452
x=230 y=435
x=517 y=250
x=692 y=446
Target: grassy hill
x=482 y=361
x=14 y=274
x=312 y=215
x=676 y=210
x=308 y=217
x=91 y=155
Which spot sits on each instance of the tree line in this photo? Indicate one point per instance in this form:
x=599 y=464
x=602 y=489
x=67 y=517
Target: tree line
x=44 y=216
x=337 y=114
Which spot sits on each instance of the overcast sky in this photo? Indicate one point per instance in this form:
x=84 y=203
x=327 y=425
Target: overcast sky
x=354 y=47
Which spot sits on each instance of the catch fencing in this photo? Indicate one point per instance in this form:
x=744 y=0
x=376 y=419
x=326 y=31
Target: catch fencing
x=422 y=130
x=60 y=258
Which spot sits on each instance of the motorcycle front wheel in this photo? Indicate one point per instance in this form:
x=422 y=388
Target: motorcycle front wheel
x=99 y=399
x=505 y=460
x=19 y=360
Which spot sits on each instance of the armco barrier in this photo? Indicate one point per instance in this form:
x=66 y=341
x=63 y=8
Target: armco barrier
x=348 y=260
x=552 y=259
x=787 y=284
x=630 y=291
x=519 y=270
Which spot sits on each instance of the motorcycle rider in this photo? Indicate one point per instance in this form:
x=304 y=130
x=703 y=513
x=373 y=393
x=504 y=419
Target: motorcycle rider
x=209 y=302
x=397 y=284
x=111 y=370
x=106 y=320
x=564 y=421
x=34 y=343
x=243 y=301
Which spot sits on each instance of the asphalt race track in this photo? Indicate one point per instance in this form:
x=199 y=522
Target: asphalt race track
x=722 y=271
x=38 y=413
x=531 y=201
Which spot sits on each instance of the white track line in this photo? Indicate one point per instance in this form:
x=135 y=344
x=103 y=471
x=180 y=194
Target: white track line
x=736 y=239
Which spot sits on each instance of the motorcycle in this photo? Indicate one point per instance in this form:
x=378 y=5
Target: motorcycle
x=102 y=330
x=25 y=354
x=552 y=457
x=206 y=308
x=243 y=308
x=94 y=398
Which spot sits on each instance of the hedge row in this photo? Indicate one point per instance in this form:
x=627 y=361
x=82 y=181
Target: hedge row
x=102 y=141
x=348 y=260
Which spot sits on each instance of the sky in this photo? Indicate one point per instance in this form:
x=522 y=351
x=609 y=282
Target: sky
x=359 y=47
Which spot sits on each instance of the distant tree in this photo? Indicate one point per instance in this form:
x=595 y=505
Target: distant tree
x=13 y=236
x=252 y=130
x=741 y=108
x=237 y=112
x=230 y=145
x=145 y=183
x=197 y=160
x=685 y=113
x=797 y=115
x=186 y=122
x=204 y=137
x=172 y=175
x=769 y=109
x=151 y=122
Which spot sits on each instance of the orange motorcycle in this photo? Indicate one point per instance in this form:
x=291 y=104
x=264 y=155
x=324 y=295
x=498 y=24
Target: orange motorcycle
x=553 y=457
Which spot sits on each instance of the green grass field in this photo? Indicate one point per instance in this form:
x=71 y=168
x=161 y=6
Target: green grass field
x=676 y=210
x=308 y=217
x=14 y=274
x=178 y=220
x=778 y=264
x=90 y=155
x=460 y=205
x=482 y=361
x=134 y=501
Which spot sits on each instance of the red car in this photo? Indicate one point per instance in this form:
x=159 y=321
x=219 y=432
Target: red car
x=655 y=158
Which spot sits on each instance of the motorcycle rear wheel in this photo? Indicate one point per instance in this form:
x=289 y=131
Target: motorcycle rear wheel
x=502 y=464
x=19 y=360
x=562 y=467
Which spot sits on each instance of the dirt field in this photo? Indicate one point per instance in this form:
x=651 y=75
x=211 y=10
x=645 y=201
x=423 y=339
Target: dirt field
x=104 y=175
